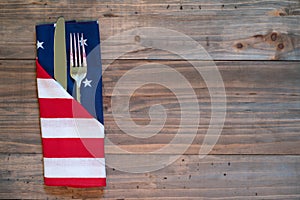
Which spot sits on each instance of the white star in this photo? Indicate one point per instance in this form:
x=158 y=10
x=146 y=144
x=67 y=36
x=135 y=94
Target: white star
x=83 y=41
x=54 y=24
x=87 y=82
x=39 y=45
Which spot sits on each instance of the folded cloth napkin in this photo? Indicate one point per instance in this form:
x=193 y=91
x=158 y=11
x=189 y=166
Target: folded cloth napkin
x=72 y=132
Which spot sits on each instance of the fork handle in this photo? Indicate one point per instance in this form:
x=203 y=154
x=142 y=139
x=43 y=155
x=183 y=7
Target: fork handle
x=78 y=96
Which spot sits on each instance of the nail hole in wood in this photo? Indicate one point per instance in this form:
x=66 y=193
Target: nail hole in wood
x=239 y=45
x=274 y=36
x=280 y=46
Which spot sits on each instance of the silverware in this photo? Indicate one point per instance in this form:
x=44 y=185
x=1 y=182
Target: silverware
x=78 y=64
x=60 y=57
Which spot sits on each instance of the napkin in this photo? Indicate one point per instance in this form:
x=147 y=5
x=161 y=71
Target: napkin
x=72 y=132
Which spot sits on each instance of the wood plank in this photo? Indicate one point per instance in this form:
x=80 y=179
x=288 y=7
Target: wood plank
x=19 y=118
x=214 y=177
x=262 y=108
x=228 y=30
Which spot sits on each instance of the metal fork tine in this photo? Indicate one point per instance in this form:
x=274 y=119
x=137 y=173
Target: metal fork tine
x=75 y=51
x=79 y=51
x=71 y=52
x=83 y=52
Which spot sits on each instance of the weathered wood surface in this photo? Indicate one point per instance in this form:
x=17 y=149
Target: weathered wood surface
x=228 y=30
x=257 y=154
x=214 y=177
x=262 y=108
x=262 y=103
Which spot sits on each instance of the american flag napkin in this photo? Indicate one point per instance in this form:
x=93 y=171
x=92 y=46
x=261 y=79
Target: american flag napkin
x=72 y=132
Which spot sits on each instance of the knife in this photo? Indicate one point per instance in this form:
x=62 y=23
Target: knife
x=60 y=57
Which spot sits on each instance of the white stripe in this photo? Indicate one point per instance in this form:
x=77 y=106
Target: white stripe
x=71 y=128
x=49 y=88
x=74 y=167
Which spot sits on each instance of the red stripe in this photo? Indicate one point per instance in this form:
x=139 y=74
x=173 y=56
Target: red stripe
x=40 y=72
x=76 y=182
x=62 y=108
x=73 y=147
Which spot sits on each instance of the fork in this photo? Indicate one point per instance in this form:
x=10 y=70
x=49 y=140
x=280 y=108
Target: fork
x=78 y=66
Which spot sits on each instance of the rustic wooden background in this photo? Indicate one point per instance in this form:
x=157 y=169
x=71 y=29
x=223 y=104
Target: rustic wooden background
x=256 y=46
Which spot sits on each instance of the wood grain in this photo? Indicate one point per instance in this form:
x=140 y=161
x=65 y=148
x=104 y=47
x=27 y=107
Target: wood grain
x=214 y=177
x=262 y=108
x=256 y=46
x=228 y=30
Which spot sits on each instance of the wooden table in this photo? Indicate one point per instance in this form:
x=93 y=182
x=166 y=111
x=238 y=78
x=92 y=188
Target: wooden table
x=255 y=45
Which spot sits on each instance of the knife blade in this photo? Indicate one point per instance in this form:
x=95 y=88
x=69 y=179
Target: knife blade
x=60 y=57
